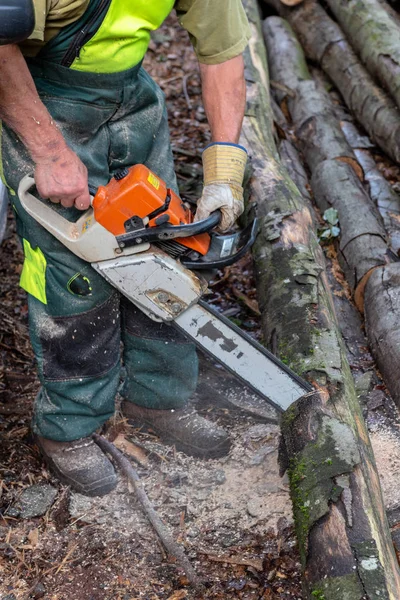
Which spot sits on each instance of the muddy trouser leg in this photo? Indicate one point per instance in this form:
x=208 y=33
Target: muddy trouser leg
x=161 y=365
x=74 y=314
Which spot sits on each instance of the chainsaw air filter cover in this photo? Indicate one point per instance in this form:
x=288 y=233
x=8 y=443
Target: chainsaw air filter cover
x=140 y=199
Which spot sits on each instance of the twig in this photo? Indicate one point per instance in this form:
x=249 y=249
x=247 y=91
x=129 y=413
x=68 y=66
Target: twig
x=184 y=86
x=251 y=304
x=282 y=88
x=256 y=563
x=168 y=542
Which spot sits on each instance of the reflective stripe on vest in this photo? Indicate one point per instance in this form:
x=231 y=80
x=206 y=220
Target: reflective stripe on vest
x=123 y=37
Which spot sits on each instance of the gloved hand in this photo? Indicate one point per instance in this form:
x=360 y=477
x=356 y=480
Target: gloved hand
x=223 y=168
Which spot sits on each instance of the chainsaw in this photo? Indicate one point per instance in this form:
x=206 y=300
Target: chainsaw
x=141 y=237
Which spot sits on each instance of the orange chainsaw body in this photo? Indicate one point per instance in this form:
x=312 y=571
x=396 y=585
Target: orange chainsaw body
x=139 y=194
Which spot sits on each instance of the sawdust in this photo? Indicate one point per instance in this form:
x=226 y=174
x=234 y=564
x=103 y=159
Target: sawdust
x=386 y=445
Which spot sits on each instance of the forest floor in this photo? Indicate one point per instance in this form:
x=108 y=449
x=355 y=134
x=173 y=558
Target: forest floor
x=233 y=515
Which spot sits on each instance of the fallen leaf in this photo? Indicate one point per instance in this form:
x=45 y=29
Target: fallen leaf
x=33 y=537
x=131 y=449
x=178 y=595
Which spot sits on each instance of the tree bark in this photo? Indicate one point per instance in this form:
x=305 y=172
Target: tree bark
x=382 y=324
x=324 y=42
x=374 y=34
x=379 y=189
x=362 y=246
x=384 y=196
x=336 y=172
x=317 y=128
x=344 y=541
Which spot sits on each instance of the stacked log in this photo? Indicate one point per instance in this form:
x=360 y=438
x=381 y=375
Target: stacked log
x=336 y=173
x=375 y=36
x=380 y=191
x=343 y=536
x=324 y=42
x=362 y=245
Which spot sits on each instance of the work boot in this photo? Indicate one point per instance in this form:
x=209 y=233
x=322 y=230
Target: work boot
x=80 y=464
x=183 y=428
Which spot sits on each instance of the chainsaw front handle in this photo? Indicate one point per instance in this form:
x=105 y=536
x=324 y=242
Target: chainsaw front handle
x=166 y=232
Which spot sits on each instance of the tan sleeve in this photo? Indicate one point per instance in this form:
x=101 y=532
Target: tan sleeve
x=50 y=17
x=41 y=10
x=219 y=29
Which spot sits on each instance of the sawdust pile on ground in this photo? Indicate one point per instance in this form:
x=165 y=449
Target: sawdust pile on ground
x=232 y=516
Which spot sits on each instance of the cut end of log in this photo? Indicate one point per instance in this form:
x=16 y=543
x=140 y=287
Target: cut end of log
x=354 y=164
x=359 y=292
x=291 y=2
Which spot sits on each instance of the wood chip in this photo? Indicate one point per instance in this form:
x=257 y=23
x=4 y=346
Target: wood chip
x=138 y=454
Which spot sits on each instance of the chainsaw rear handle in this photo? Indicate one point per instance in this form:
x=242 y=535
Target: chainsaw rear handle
x=62 y=228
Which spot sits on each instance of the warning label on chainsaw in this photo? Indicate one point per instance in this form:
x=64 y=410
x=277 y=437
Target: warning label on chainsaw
x=153 y=180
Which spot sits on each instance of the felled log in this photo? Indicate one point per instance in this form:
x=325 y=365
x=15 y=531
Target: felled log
x=379 y=189
x=384 y=196
x=324 y=42
x=335 y=169
x=339 y=516
x=382 y=309
x=383 y=323
x=374 y=34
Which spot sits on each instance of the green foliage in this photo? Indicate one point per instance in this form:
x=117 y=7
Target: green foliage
x=332 y=230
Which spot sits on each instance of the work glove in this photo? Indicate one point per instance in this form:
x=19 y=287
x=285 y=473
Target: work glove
x=223 y=170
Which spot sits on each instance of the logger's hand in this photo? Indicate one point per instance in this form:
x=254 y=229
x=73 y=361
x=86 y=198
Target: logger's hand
x=219 y=196
x=63 y=178
x=223 y=167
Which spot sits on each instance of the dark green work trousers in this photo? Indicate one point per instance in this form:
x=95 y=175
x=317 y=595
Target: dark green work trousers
x=111 y=121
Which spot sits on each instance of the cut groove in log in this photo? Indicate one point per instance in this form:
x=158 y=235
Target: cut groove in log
x=324 y=42
x=375 y=36
x=335 y=489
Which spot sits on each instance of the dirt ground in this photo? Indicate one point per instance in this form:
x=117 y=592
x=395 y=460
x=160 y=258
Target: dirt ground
x=233 y=515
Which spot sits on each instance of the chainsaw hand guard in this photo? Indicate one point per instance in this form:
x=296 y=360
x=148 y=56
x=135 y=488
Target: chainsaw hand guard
x=224 y=250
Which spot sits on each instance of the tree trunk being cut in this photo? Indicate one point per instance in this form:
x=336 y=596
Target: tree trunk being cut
x=375 y=36
x=324 y=42
x=344 y=541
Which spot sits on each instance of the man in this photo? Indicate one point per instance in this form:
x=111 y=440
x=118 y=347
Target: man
x=76 y=105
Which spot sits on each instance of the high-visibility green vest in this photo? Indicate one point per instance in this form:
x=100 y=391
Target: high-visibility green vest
x=122 y=39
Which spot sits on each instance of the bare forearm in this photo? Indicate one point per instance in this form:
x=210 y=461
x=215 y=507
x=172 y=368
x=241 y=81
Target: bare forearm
x=59 y=173
x=224 y=98
x=21 y=108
